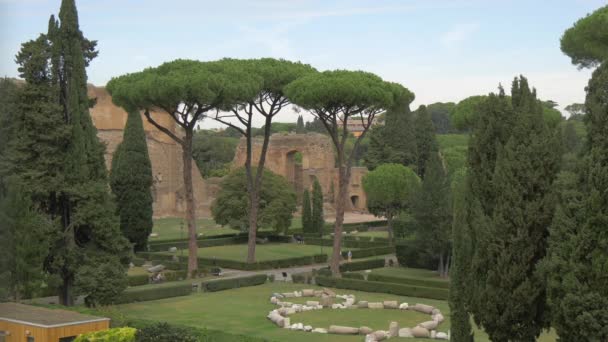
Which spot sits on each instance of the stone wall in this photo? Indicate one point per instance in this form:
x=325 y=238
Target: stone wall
x=165 y=156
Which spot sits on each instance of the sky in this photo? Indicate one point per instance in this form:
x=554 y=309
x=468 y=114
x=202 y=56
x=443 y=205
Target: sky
x=442 y=50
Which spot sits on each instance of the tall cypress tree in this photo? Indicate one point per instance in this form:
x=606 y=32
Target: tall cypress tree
x=317 y=220
x=88 y=252
x=300 y=129
x=576 y=264
x=395 y=141
x=131 y=182
x=426 y=144
x=460 y=324
x=510 y=287
x=432 y=212
x=306 y=213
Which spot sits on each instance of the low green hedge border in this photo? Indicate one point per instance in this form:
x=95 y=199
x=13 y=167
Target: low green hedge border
x=153 y=291
x=143 y=279
x=264 y=265
x=361 y=265
x=346 y=243
x=233 y=283
x=369 y=252
x=408 y=281
x=381 y=287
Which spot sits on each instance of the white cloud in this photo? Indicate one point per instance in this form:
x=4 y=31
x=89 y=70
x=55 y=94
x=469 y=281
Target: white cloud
x=458 y=34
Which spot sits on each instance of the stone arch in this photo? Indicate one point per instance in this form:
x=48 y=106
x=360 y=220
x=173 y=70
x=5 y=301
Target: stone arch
x=354 y=200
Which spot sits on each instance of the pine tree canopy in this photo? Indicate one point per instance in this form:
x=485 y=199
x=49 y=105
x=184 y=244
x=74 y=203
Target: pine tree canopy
x=585 y=42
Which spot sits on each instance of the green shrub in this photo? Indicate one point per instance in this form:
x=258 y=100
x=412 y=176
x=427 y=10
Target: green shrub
x=302 y=278
x=138 y=279
x=353 y=275
x=409 y=281
x=390 y=288
x=263 y=265
x=152 y=292
x=410 y=254
x=362 y=265
x=125 y=334
x=233 y=283
x=324 y=272
x=162 y=332
x=369 y=252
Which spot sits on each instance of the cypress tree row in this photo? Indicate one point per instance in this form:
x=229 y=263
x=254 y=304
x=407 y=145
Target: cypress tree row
x=306 y=213
x=426 y=144
x=317 y=221
x=131 y=182
x=510 y=291
x=300 y=129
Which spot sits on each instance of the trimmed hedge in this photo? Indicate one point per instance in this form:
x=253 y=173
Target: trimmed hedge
x=152 y=292
x=353 y=275
x=263 y=265
x=233 y=283
x=390 y=288
x=177 y=240
x=361 y=265
x=211 y=242
x=408 y=281
x=346 y=243
x=370 y=252
x=139 y=279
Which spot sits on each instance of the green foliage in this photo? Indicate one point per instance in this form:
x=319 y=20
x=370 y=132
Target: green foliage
x=509 y=294
x=576 y=263
x=125 y=334
x=131 y=182
x=585 y=42
x=317 y=208
x=426 y=144
x=213 y=152
x=315 y=126
x=390 y=189
x=432 y=212
x=277 y=202
x=409 y=281
x=362 y=265
x=570 y=139
x=161 y=332
x=576 y=110
x=24 y=243
x=465 y=113
x=440 y=114
x=306 y=213
x=390 y=288
x=267 y=264
x=233 y=283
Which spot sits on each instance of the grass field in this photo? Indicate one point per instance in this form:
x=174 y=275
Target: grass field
x=171 y=228
x=244 y=311
x=271 y=251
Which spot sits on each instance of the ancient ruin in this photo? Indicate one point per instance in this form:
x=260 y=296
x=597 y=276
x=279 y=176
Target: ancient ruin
x=300 y=158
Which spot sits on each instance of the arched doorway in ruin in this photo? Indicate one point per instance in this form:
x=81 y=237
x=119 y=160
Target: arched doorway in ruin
x=293 y=171
x=354 y=200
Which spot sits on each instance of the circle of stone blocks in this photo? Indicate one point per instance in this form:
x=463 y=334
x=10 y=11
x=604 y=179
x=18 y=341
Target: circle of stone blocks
x=326 y=297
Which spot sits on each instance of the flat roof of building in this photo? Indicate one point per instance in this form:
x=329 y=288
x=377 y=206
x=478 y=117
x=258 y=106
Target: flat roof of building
x=43 y=317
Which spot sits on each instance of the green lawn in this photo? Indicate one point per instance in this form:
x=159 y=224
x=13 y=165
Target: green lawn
x=171 y=228
x=244 y=311
x=271 y=251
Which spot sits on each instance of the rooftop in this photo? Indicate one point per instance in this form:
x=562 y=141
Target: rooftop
x=43 y=317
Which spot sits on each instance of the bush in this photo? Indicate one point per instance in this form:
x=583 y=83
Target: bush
x=263 y=265
x=408 y=281
x=362 y=265
x=324 y=272
x=369 y=252
x=353 y=275
x=410 y=254
x=302 y=278
x=233 y=283
x=139 y=279
x=152 y=292
x=390 y=288
x=125 y=334
x=162 y=332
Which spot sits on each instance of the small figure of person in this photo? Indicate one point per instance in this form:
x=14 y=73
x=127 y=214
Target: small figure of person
x=350 y=256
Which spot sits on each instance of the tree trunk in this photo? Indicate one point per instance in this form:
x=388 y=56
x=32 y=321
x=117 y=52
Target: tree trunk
x=343 y=178
x=66 y=289
x=389 y=221
x=253 y=225
x=190 y=209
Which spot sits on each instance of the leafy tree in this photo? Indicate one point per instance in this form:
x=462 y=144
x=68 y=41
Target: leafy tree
x=585 y=41
x=576 y=110
x=510 y=292
x=315 y=126
x=440 y=114
x=334 y=97
x=393 y=142
x=277 y=202
x=213 y=152
x=465 y=113
x=390 y=189
x=460 y=323
x=268 y=100
x=25 y=236
x=306 y=213
x=432 y=213
x=570 y=139
x=184 y=90
x=300 y=129
x=131 y=182
x=426 y=144
x=55 y=153
x=317 y=208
